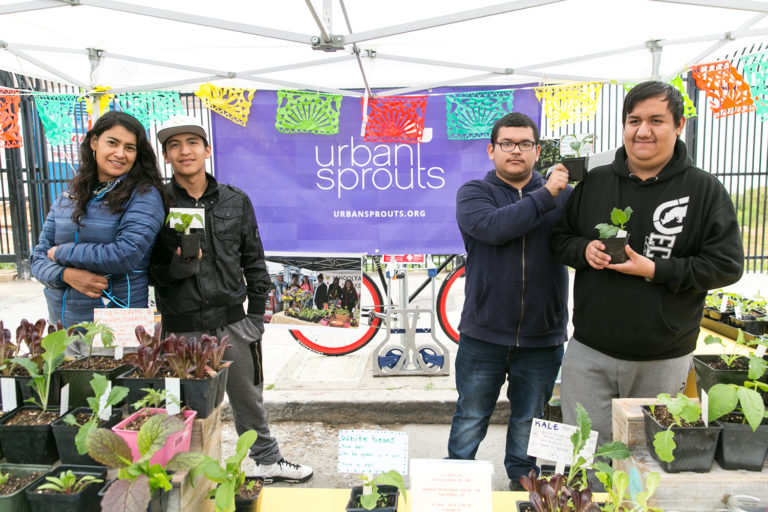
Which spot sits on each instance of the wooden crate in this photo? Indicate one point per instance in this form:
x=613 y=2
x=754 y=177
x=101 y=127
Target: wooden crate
x=206 y=438
x=686 y=491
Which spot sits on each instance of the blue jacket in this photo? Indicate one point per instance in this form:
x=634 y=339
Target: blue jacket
x=516 y=294
x=114 y=244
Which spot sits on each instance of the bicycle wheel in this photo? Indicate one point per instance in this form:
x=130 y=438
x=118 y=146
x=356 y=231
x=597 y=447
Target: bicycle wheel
x=337 y=342
x=450 y=302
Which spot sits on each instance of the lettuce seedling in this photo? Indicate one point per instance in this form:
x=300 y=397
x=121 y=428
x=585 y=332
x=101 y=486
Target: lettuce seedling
x=176 y=354
x=138 y=480
x=217 y=354
x=8 y=351
x=99 y=383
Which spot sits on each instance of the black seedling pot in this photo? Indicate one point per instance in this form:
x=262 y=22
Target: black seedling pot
x=28 y=444
x=577 y=168
x=65 y=437
x=614 y=247
x=87 y=500
x=695 y=449
x=190 y=245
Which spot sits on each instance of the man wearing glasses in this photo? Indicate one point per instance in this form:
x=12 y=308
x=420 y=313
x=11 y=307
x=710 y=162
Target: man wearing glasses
x=515 y=313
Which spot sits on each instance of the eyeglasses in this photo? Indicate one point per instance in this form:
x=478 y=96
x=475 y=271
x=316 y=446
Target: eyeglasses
x=508 y=147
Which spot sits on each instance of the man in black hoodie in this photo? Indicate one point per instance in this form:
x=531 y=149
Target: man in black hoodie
x=513 y=325
x=636 y=323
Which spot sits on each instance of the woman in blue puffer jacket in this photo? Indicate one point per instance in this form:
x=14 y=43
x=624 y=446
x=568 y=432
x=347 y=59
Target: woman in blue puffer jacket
x=95 y=245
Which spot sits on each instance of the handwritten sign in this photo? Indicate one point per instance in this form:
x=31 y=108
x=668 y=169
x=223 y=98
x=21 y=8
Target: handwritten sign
x=445 y=485
x=372 y=451
x=552 y=441
x=123 y=322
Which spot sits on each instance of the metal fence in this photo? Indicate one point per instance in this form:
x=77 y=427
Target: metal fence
x=734 y=148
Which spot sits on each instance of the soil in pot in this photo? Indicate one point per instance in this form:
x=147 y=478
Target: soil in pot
x=739 y=447
x=87 y=500
x=387 y=502
x=245 y=499
x=614 y=247
x=695 y=443
x=78 y=375
x=65 y=435
x=12 y=495
x=29 y=440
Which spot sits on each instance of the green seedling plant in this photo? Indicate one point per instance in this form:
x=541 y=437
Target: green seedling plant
x=99 y=383
x=155 y=398
x=729 y=358
x=682 y=409
x=577 y=144
x=616 y=484
x=54 y=345
x=185 y=220
x=136 y=481
x=231 y=477
x=619 y=219
x=87 y=331
x=68 y=483
x=726 y=398
x=4 y=477
x=368 y=499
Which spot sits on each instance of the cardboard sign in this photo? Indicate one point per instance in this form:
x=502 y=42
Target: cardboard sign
x=552 y=441
x=372 y=451
x=123 y=322
x=445 y=485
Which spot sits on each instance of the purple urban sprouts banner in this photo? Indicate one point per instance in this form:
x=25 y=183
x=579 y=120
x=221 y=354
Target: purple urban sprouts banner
x=338 y=194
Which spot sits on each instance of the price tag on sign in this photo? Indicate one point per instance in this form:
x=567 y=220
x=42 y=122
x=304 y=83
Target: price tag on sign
x=403 y=258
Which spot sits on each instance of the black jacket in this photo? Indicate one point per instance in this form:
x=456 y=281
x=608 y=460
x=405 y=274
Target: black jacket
x=684 y=220
x=232 y=267
x=321 y=295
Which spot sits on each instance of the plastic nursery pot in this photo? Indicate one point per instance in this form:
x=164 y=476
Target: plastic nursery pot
x=222 y=387
x=614 y=247
x=706 y=376
x=177 y=442
x=190 y=245
x=87 y=500
x=17 y=501
x=695 y=449
x=158 y=502
x=247 y=504
x=28 y=444
x=54 y=394
x=748 y=324
x=202 y=395
x=135 y=385
x=65 y=437
x=79 y=381
x=385 y=490
x=577 y=168
x=740 y=448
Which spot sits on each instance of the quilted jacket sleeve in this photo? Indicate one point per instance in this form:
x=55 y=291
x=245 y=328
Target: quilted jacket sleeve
x=45 y=270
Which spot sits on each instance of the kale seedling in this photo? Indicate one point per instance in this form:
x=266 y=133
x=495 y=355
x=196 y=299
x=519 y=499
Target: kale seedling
x=99 y=383
x=54 y=345
x=725 y=398
x=682 y=409
x=619 y=219
x=729 y=358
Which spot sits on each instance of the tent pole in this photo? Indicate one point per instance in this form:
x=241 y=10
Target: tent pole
x=655 y=49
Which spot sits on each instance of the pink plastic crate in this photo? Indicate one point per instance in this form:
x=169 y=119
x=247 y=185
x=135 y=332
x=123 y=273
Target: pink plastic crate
x=178 y=442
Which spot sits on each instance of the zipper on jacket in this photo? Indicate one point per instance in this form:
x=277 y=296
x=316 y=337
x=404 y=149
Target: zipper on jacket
x=522 y=291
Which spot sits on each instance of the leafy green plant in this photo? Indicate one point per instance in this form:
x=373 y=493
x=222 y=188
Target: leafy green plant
x=138 y=480
x=155 y=399
x=578 y=144
x=726 y=398
x=4 y=478
x=86 y=331
x=31 y=335
x=619 y=219
x=682 y=409
x=219 y=347
x=54 y=345
x=616 y=484
x=99 y=383
x=368 y=501
x=230 y=477
x=729 y=358
x=68 y=483
x=185 y=220
x=149 y=355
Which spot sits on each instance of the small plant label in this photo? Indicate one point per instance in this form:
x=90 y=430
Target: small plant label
x=8 y=390
x=552 y=441
x=724 y=304
x=197 y=222
x=172 y=400
x=123 y=322
x=105 y=411
x=372 y=451
x=118 y=352
x=64 y=398
x=704 y=407
x=760 y=350
x=737 y=311
x=445 y=485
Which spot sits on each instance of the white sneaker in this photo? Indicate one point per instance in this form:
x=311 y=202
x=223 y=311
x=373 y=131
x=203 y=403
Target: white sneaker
x=283 y=471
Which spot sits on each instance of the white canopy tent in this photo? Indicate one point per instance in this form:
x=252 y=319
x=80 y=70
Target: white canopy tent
x=395 y=47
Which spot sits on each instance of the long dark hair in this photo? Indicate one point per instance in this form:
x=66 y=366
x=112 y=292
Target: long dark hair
x=144 y=174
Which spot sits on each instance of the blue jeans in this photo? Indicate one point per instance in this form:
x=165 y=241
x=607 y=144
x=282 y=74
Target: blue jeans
x=480 y=371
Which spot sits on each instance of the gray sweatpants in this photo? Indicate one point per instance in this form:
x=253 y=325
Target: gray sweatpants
x=245 y=386
x=593 y=379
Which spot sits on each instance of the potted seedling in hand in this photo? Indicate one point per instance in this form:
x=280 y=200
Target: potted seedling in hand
x=613 y=235
x=577 y=165
x=380 y=493
x=190 y=242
